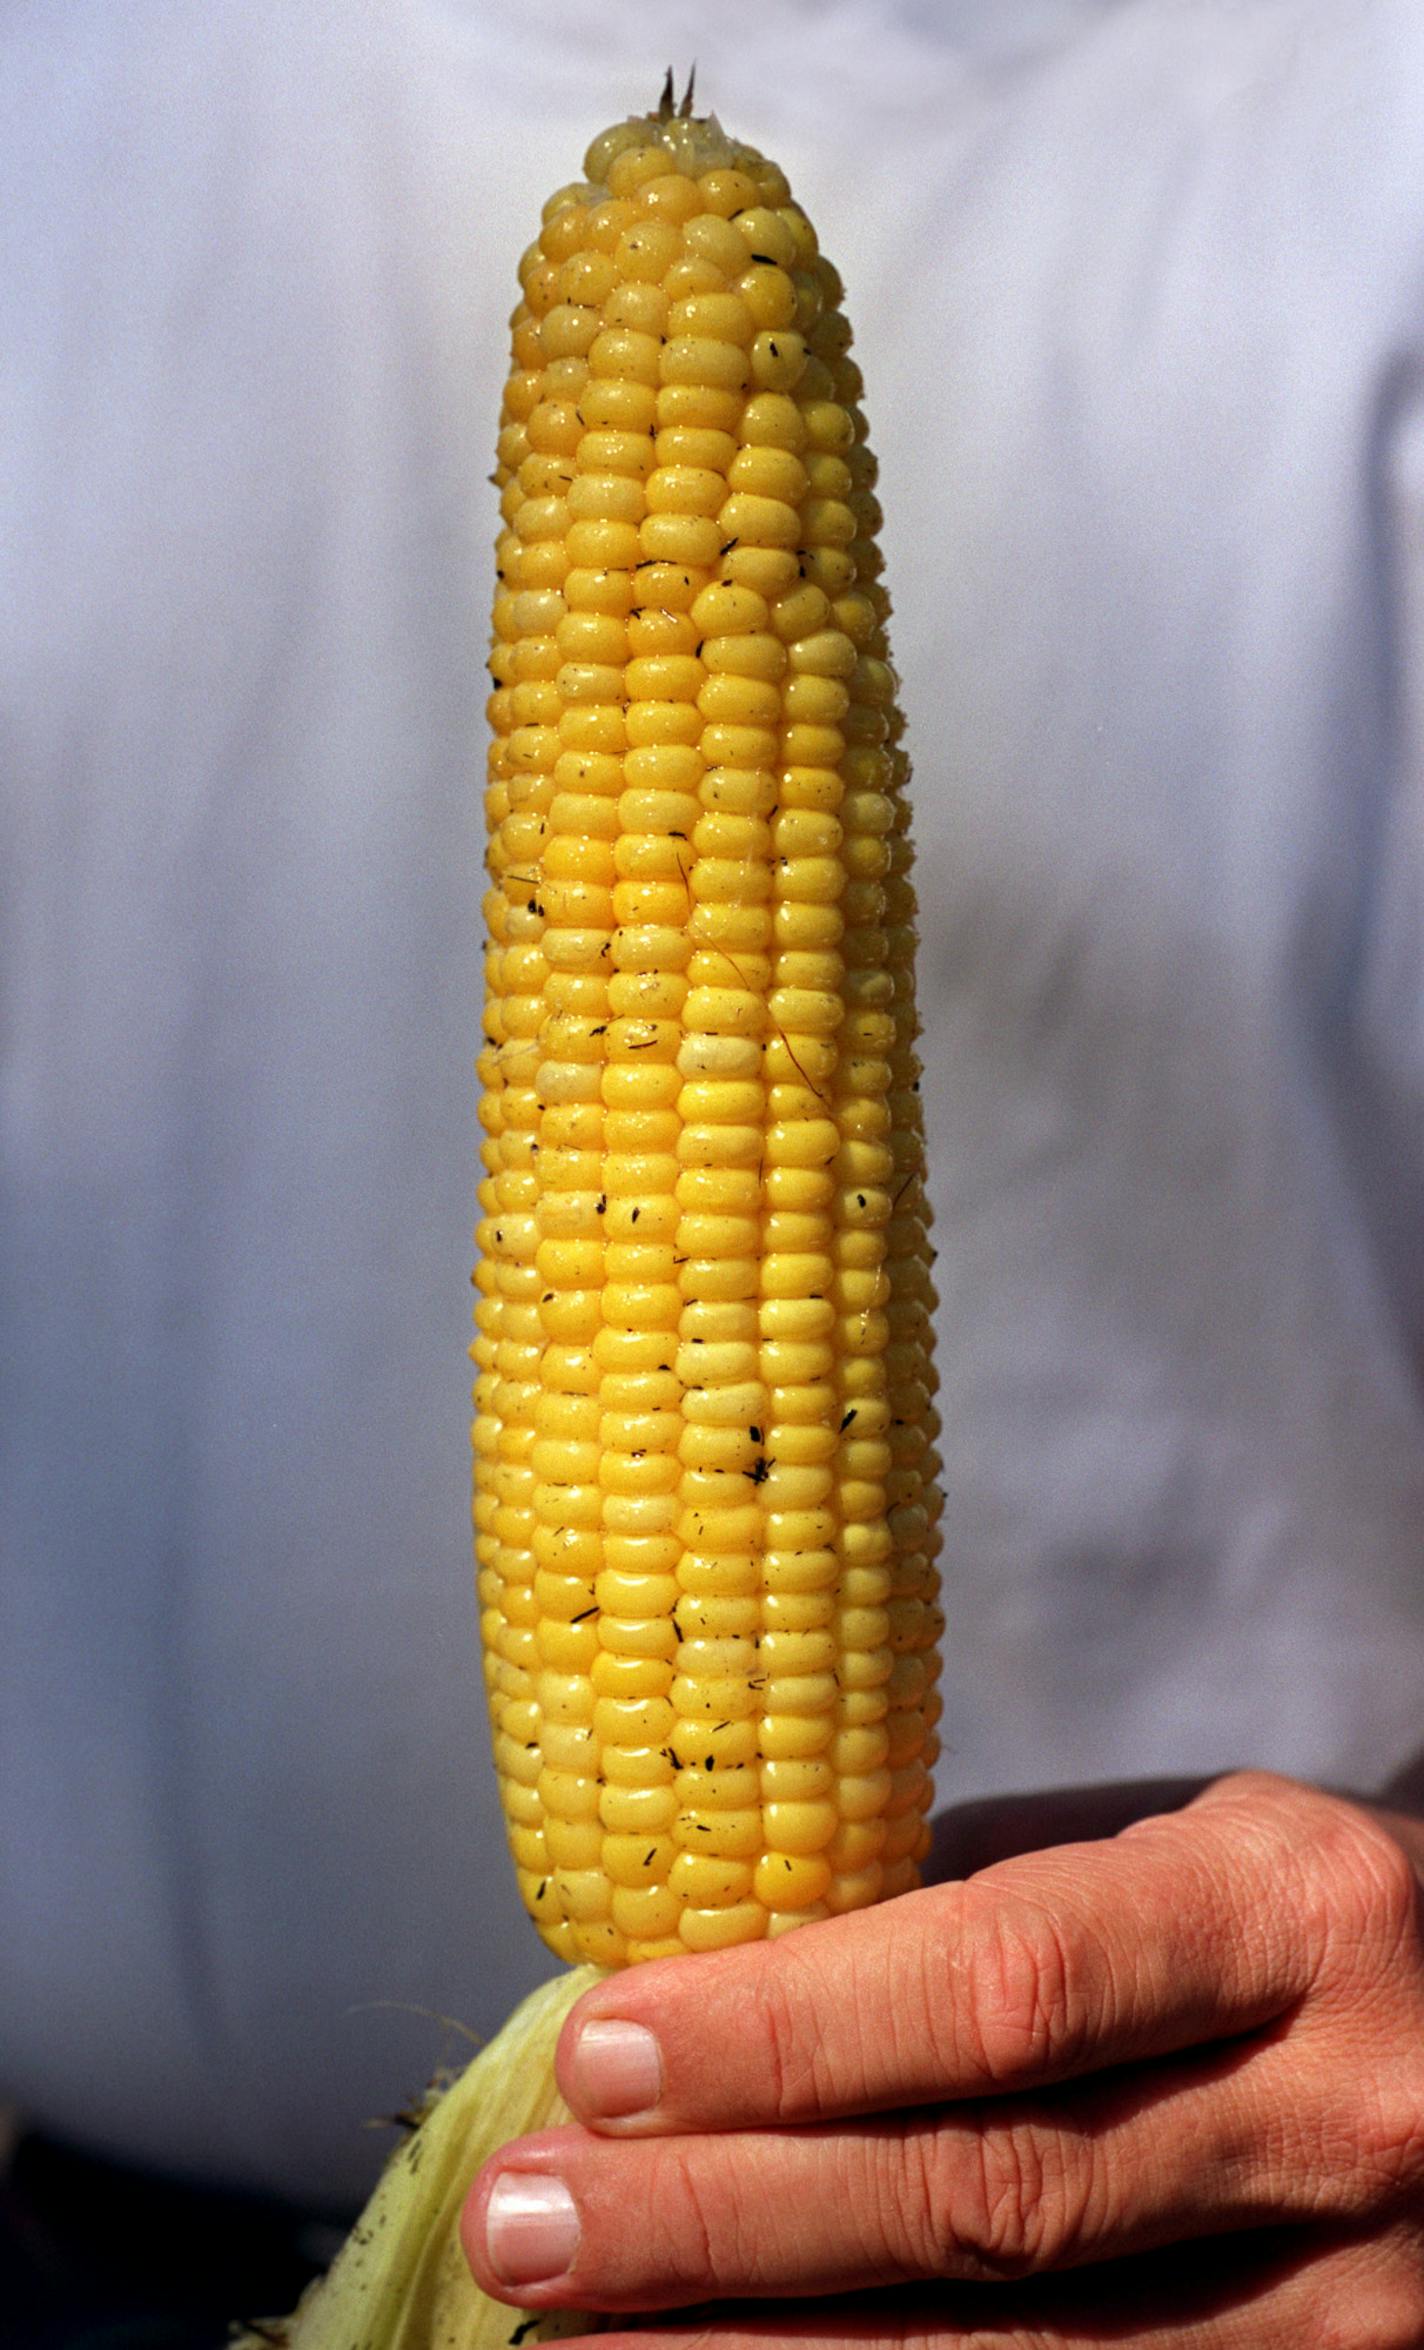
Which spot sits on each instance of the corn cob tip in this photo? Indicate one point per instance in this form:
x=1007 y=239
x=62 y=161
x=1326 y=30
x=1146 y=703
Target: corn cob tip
x=669 y=104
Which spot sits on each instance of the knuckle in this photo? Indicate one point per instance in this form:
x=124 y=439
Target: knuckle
x=1282 y=1825
x=1352 y=2151
x=1257 y=1789
x=1383 y=2310
x=998 y=2215
x=1379 y=1889
x=1346 y=1880
x=1028 y=2013
x=1391 y=2139
x=1003 y=2202
x=1369 y=1882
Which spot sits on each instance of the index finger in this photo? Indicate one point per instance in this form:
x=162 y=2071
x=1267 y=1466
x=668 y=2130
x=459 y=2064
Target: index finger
x=1181 y=1930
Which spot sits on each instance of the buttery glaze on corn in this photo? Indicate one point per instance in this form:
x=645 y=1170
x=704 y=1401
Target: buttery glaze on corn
x=705 y=1477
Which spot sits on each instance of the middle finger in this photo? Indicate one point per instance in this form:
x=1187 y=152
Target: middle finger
x=1061 y=1963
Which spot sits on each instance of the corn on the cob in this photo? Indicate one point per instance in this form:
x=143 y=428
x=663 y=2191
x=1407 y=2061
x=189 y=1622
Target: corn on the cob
x=705 y=1477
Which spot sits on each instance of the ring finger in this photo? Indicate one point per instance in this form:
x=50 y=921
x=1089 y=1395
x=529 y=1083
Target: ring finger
x=989 y=2189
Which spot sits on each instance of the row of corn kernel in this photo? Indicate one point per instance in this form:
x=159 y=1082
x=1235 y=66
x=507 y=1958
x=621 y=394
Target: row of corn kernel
x=867 y=1173
x=769 y=487
x=733 y=968
x=650 y=950
x=658 y=721
x=576 y=896
x=590 y=682
x=534 y=750
x=875 y=1017
x=697 y=405
x=664 y=773
x=723 y=1106
x=914 y=1491
x=843 y=1636
x=503 y=1507
x=605 y=313
x=731 y=341
x=489 y=1502
x=870 y=1848
x=547 y=1417
x=640 y=1385
x=713 y=351
x=615 y=455
x=798 y=1344
x=678 y=535
x=522 y=666
x=540 y=423
x=911 y=1486
x=581 y=1691
x=862 y=1282
x=803 y=1568
x=614 y=317
x=748 y=655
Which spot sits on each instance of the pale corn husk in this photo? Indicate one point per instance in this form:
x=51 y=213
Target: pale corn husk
x=401 y=2282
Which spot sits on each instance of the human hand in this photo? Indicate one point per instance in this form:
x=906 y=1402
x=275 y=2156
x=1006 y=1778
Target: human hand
x=1167 y=2088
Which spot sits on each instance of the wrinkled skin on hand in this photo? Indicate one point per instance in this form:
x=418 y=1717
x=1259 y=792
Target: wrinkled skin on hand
x=1123 y=2079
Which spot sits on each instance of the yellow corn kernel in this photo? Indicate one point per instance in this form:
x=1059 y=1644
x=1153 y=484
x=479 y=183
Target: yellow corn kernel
x=706 y=1508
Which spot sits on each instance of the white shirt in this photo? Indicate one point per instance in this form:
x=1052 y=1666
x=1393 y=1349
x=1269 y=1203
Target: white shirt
x=1136 y=291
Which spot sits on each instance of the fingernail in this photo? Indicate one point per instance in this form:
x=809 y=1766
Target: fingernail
x=617 y=2068
x=531 y=2228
